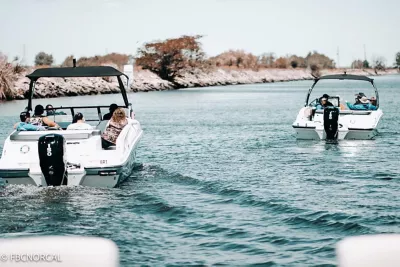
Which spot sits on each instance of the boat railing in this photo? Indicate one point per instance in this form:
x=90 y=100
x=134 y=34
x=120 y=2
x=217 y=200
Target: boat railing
x=348 y=112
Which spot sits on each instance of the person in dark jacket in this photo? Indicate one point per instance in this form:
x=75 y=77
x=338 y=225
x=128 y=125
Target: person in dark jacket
x=323 y=102
x=108 y=116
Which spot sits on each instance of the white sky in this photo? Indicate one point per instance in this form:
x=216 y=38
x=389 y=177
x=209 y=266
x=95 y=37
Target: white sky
x=89 y=27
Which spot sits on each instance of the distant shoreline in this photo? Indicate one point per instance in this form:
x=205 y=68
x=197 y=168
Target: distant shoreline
x=145 y=81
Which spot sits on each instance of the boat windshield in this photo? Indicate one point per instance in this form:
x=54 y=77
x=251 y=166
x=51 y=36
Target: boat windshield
x=340 y=91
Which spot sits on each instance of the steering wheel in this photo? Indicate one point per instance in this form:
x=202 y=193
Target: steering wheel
x=314 y=103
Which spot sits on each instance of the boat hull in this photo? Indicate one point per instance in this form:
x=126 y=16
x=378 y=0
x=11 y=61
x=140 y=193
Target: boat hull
x=93 y=177
x=96 y=168
x=353 y=125
x=311 y=133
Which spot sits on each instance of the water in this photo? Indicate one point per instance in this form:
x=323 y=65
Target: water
x=221 y=180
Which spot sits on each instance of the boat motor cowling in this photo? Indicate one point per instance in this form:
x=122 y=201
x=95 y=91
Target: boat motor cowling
x=331 y=122
x=52 y=156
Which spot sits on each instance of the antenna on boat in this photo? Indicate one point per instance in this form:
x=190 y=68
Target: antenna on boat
x=74 y=62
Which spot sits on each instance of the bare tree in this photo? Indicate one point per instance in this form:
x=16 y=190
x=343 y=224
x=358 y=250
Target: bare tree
x=378 y=62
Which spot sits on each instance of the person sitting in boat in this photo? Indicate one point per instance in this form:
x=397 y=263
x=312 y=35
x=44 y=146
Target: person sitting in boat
x=363 y=105
x=50 y=111
x=323 y=102
x=24 y=117
x=108 y=116
x=372 y=100
x=115 y=125
x=78 y=123
x=38 y=119
x=24 y=125
x=358 y=97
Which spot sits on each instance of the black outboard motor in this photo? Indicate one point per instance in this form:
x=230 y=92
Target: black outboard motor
x=52 y=158
x=331 y=122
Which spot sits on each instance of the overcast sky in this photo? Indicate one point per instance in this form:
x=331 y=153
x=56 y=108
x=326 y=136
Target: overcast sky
x=89 y=27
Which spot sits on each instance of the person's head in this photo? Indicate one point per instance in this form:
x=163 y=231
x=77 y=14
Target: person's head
x=24 y=116
x=50 y=109
x=358 y=97
x=113 y=107
x=78 y=117
x=118 y=115
x=364 y=100
x=323 y=101
x=373 y=100
x=325 y=96
x=39 y=110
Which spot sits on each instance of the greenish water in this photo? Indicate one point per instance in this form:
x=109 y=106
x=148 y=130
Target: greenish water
x=221 y=180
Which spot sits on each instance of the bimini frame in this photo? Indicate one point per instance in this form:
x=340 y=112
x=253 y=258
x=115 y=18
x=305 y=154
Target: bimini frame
x=343 y=77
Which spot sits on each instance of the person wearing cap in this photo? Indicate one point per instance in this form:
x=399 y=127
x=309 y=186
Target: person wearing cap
x=363 y=105
x=358 y=97
x=323 y=102
x=108 y=116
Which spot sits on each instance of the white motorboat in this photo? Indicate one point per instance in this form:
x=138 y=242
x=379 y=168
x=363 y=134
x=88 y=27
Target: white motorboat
x=337 y=122
x=71 y=157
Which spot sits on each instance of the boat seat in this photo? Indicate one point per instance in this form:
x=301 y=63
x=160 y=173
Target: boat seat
x=68 y=135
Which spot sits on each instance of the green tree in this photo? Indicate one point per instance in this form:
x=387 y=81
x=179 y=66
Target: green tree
x=366 y=64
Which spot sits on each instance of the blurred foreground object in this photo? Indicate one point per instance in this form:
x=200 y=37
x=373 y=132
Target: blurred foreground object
x=369 y=250
x=60 y=251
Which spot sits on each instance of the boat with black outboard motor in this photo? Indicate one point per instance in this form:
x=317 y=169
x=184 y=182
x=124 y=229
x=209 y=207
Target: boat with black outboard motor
x=334 y=122
x=71 y=157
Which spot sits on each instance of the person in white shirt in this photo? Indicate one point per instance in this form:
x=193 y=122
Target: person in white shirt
x=78 y=123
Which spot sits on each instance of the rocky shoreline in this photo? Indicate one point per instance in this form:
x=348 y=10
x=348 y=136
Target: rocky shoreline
x=145 y=81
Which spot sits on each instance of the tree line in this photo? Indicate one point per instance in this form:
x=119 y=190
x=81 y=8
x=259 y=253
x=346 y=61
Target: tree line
x=172 y=57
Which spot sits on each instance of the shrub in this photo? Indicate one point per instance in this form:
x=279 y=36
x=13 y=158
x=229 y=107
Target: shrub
x=238 y=58
x=7 y=77
x=43 y=59
x=114 y=59
x=297 y=62
x=281 y=63
x=319 y=60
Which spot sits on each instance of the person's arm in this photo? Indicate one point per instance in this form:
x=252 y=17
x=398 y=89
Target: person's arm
x=50 y=123
x=350 y=106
